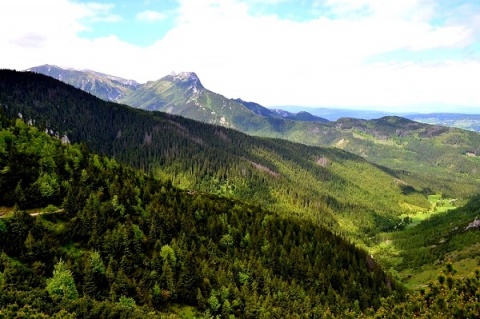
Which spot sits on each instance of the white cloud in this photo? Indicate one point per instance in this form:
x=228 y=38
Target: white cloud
x=100 y=12
x=47 y=31
x=266 y=59
x=33 y=40
x=50 y=19
x=320 y=62
x=54 y=21
x=150 y=16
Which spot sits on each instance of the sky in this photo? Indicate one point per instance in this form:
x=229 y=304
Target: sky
x=389 y=55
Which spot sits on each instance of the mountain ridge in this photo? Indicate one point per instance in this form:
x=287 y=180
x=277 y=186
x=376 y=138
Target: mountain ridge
x=280 y=114
x=468 y=120
x=423 y=149
x=113 y=89
x=105 y=86
x=183 y=94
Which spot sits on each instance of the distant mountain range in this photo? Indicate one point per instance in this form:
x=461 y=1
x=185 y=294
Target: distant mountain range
x=393 y=142
x=460 y=120
x=183 y=94
x=177 y=93
x=333 y=114
x=107 y=87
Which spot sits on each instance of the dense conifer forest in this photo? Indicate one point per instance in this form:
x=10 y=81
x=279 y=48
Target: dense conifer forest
x=114 y=242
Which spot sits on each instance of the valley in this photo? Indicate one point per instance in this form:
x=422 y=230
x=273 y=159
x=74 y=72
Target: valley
x=249 y=220
x=389 y=249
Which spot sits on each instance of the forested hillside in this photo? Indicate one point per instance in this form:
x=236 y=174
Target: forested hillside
x=363 y=202
x=450 y=155
x=310 y=182
x=116 y=243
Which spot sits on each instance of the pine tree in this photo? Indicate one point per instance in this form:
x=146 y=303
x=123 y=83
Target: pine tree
x=62 y=285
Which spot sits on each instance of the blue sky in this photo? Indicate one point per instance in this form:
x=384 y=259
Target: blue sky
x=395 y=55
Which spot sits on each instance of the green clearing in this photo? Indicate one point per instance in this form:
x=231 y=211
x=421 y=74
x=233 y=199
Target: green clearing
x=439 y=206
x=368 y=137
x=388 y=246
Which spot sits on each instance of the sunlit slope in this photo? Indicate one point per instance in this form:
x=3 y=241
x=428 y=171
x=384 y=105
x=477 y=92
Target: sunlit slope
x=325 y=184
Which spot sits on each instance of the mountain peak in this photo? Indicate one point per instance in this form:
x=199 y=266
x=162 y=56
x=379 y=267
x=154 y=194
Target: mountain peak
x=184 y=76
x=190 y=80
x=104 y=86
x=49 y=69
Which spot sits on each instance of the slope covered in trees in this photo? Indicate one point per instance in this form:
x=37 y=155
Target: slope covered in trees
x=327 y=186
x=286 y=177
x=125 y=245
x=450 y=154
x=447 y=296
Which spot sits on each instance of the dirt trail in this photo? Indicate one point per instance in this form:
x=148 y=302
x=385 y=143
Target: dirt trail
x=35 y=213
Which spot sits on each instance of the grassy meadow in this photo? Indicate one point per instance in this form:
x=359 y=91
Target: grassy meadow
x=419 y=248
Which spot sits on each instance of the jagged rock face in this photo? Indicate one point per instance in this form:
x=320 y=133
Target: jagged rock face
x=190 y=77
x=186 y=80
